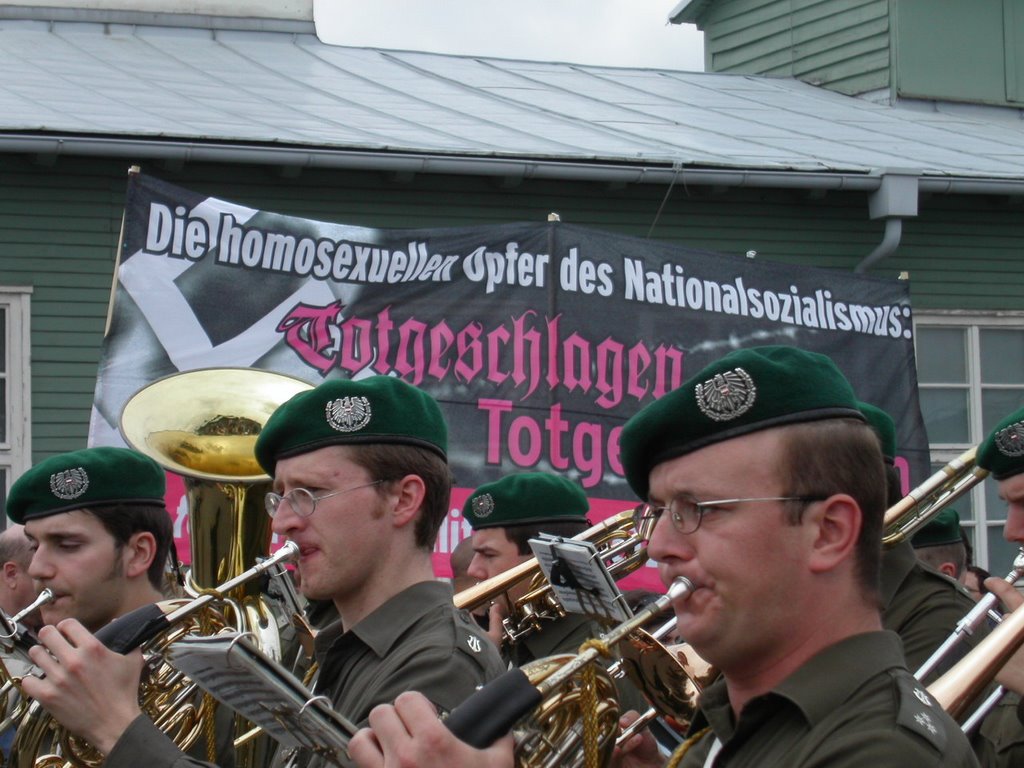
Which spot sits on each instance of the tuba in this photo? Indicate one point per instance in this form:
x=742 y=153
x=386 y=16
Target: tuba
x=201 y=425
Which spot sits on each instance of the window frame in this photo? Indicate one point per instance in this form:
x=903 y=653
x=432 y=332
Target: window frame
x=16 y=451
x=941 y=453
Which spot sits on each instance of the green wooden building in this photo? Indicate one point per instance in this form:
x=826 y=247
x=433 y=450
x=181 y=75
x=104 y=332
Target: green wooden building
x=819 y=136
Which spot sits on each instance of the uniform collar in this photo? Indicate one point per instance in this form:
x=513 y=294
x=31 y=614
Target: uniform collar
x=386 y=624
x=845 y=665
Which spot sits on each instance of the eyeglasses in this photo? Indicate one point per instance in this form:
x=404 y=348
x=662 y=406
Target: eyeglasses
x=302 y=501
x=686 y=513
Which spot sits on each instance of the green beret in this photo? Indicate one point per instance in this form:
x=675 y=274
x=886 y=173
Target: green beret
x=527 y=498
x=371 y=411
x=1002 y=453
x=92 y=477
x=746 y=391
x=883 y=424
x=944 y=528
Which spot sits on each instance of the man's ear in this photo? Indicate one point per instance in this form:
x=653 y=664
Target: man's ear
x=10 y=570
x=138 y=553
x=409 y=493
x=836 y=524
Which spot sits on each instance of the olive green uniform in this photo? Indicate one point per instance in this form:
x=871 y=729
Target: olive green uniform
x=923 y=607
x=416 y=641
x=853 y=704
x=999 y=742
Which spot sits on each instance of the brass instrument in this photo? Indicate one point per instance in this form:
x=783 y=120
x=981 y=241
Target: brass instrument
x=10 y=623
x=957 y=689
x=167 y=697
x=553 y=705
x=970 y=622
x=201 y=425
x=904 y=518
x=619 y=544
x=14 y=644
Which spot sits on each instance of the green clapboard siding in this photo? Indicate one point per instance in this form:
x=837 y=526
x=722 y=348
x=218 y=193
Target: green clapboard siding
x=840 y=44
x=961 y=252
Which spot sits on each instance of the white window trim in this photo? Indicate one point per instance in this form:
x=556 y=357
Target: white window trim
x=16 y=453
x=972 y=323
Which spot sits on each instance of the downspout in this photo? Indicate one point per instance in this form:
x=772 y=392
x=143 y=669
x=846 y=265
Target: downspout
x=894 y=200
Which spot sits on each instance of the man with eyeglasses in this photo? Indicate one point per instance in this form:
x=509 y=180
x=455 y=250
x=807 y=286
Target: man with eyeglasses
x=768 y=489
x=361 y=484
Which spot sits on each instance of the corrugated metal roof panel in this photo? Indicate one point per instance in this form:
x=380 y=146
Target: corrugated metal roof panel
x=286 y=88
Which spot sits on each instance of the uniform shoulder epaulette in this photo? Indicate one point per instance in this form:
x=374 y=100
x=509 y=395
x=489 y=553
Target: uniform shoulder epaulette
x=919 y=712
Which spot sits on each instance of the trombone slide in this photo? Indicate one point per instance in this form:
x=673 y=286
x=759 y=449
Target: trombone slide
x=970 y=622
x=961 y=685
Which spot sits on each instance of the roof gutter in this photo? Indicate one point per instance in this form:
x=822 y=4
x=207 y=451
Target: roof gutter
x=652 y=172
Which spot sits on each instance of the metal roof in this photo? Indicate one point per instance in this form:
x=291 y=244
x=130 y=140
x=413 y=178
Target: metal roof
x=88 y=87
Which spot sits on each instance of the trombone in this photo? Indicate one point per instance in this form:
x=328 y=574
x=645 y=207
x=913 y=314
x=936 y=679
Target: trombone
x=904 y=518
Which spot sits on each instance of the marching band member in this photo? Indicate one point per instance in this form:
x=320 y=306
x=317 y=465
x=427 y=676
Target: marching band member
x=505 y=515
x=361 y=484
x=769 y=493
x=1000 y=739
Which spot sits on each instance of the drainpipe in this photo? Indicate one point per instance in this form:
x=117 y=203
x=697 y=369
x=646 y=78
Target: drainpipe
x=894 y=200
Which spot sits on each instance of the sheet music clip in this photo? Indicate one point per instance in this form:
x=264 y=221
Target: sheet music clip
x=233 y=670
x=579 y=578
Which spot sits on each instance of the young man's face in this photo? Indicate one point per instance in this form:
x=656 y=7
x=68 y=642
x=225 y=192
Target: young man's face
x=341 y=543
x=1011 y=490
x=78 y=560
x=493 y=554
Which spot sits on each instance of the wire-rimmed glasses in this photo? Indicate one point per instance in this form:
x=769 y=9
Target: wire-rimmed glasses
x=302 y=501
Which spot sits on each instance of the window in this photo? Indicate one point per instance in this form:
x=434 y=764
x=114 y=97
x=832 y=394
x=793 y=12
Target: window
x=970 y=372
x=15 y=411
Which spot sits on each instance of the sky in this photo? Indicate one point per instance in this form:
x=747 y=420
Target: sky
x=627 y=33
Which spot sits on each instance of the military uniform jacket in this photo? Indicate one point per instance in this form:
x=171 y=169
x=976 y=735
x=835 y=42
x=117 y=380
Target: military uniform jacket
x=923 y=607
x=417 y=641
x=853 y=704
x=999 y=742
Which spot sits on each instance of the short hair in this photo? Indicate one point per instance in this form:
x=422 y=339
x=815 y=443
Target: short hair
x=15 y=547
x=520 y=535
x=981 y=575
x=391 y=462
x=830 y=456
x=123 y=520
x=938 y=554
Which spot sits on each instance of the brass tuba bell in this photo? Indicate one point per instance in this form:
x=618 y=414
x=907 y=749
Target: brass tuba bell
x=203 y=425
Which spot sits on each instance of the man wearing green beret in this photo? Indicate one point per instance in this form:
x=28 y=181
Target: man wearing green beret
x=1000 y=739
x=768 y=491
x=100 y=532
x=505 y=515
x=361 y=484
x=101 y=537
x=940 y=545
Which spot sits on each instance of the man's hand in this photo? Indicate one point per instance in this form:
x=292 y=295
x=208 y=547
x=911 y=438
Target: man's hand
x=409 y=734
x=91 y=690
x=638 y=751
x=1011 y=676
x=497 y=612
